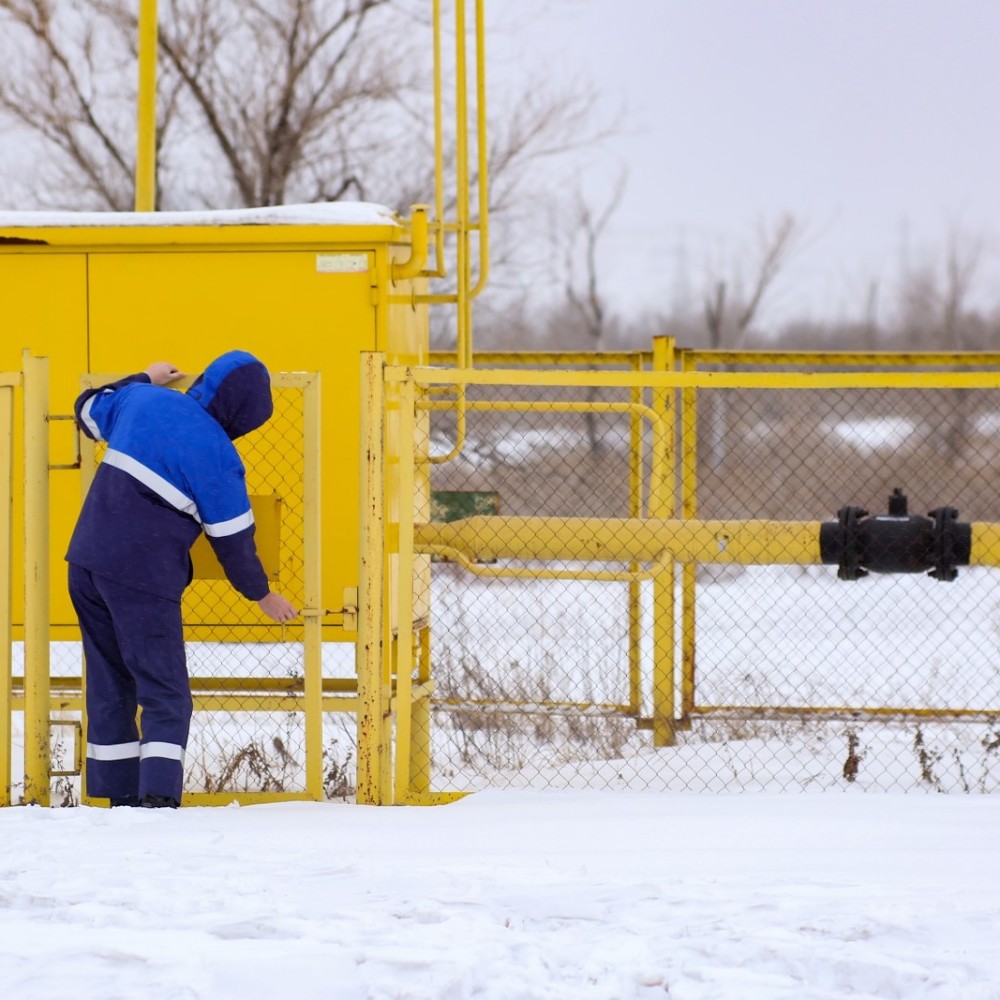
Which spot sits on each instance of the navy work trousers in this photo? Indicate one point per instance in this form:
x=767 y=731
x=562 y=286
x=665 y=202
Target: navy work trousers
x=134 y=646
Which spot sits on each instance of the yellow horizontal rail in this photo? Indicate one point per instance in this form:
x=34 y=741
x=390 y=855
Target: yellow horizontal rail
x=602 y=359
x=844 y=713
x=544 y=572
x=65 y=685
x=594 y=539
x=594 y=708
x=483 y=539
x=697 y=380
x=914 y=359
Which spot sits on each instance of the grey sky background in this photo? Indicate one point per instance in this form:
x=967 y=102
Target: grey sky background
x=873 y=121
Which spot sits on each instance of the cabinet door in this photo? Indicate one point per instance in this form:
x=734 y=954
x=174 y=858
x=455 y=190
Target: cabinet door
x=285 y=306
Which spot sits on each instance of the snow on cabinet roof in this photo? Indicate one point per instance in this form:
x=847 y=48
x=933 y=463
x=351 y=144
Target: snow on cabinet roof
x=338 y=213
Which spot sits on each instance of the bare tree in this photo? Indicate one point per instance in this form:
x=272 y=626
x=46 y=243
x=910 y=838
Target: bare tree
x=261 y=102
x=729 y=316
x=582 y=291
x=938 y=315
x=64 y=80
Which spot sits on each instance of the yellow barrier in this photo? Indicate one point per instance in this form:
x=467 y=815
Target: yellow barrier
x=670 y=539
x=248 y=685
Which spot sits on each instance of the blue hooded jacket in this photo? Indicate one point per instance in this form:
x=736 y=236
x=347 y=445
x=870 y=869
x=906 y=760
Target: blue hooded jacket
x=170 y=472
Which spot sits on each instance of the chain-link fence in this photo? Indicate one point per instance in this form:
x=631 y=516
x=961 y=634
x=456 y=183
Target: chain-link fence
x=555 y=660
x=235 y=746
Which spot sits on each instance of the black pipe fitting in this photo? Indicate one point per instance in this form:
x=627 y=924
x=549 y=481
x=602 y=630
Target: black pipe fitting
x=897 y=542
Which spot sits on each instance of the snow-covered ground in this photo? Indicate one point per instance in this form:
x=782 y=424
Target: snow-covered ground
x=581 y=878
x=508 y=895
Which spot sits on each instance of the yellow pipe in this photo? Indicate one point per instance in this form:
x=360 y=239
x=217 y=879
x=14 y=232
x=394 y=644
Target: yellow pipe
x=417 y=261
x=145 y=158
x=595 y=539
x=894 y=359
x=483 y=226
x=985 y=544
x=440 y=271
x=535 y=705
x=842 y=712
x=701 y=380
x=36 y=580
x=491 y=572
x=661 y=432
x=529 y=359
x=462 y=189
x=460 y=406
x=558 y=406
x=6 y=572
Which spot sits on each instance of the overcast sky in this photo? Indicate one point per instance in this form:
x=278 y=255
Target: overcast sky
x=872 y=121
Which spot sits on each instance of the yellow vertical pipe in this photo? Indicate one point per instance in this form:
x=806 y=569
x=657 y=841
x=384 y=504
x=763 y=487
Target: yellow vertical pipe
x=664 y=606
x=439 y=260
x=36 y=580
x=404 y=587
x=6 y=572
x=145 y=153
x=312 y=600
x=689 y=509
x=373 y=701
x=634 y=586
x=483 y=226
x=462 y=267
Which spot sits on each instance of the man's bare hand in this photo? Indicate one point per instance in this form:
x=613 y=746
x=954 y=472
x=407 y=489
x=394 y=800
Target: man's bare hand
x=163 y=373
x=275 y=606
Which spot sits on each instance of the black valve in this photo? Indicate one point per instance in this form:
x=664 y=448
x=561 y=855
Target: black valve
x=897 y=542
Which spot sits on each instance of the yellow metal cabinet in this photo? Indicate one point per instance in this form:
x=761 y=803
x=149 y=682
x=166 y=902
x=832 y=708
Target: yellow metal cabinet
x=113 y=298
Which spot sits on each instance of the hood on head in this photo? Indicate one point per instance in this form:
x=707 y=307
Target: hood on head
x=235 y=389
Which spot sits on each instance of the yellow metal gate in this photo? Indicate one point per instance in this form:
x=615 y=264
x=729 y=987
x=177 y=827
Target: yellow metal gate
x=257 y=732
x=649 y=608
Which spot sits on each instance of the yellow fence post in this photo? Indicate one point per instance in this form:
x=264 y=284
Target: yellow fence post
x=312 y=599
x=7 y=383
x=661 y=505
x=373 y=686
x=636 y=394
x=689 y=509
x=36 y=580
x=404 y=590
